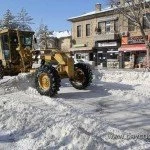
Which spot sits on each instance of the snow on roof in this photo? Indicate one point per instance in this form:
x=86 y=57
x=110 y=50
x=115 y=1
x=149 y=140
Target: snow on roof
x=61 y=34
x=92 y=13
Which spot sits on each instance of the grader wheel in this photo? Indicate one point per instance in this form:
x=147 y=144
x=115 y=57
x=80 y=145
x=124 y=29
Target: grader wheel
x=47 y=80
x=44 y=81
x=82 y=77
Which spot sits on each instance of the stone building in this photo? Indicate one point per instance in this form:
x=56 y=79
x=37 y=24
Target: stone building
x=133 y=48
x=108 y=38
x=95 y=37
x=63 y=40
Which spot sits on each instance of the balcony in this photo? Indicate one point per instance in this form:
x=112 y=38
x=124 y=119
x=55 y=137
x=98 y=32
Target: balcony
x=105 y=37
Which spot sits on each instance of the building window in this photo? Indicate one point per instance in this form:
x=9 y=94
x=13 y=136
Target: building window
x=107 y=26
x=112 y=55
x=88 y=30
x=99 y=29
x=79 y=31
x=146 y=21
x=131 y=25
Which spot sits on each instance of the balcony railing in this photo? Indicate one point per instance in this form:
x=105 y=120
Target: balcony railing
x=107 y=36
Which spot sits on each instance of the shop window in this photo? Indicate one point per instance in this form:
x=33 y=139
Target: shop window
x=88 y=30
x=127 y=56
x=140 y=57
x=78 y=56
x=82 y=56
x=131 y=25
x=146 y=21
x=79 y=31
x=112 y=55
x=107 y=26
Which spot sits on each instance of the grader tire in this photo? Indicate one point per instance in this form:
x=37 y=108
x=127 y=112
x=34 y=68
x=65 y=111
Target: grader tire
x=83 y=76
x=1 y=72
x=47 y=80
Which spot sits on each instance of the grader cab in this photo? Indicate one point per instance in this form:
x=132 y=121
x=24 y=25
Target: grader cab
x=15 y=51
x=16 y=56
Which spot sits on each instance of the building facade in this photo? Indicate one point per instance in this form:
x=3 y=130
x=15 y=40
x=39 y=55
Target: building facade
x=109 y=39
x=64 y=44
x=133 y=50
x=95 y=37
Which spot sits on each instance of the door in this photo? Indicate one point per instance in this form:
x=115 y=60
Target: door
x=15 y=57
x=5 y=46
x=104 y=59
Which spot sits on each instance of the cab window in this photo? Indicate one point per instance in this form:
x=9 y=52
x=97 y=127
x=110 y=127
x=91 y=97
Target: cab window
x=27 y=40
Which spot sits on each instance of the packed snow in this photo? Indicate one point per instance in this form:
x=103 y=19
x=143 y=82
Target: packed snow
x=107 y=9
x=61 y=34
x=113 y=113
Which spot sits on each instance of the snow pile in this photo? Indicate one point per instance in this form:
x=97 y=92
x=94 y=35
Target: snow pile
x=136 y=81
x=130 y=77
x=31 y=121
x=107 y=9
x=108 y=115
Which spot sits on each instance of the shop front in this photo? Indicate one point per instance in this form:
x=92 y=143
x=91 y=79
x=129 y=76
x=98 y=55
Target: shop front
x=132 y=52
x=106 y=54
x=83 y=54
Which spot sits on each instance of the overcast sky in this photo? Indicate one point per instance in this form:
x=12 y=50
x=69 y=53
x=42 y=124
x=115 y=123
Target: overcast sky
x=53 y=13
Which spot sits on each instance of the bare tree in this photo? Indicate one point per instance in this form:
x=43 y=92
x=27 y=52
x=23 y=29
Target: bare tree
x=8 y=20
x=44 y=36
x=24 y=20
x=136 y=11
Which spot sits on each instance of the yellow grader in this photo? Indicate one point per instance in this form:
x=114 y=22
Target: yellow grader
x=16 y=56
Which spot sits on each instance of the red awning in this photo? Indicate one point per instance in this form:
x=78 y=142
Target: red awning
x=133 y=47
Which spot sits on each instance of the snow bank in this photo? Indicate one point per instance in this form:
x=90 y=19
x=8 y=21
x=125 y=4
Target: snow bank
x=31 y=121
x=22 y=82
x=137 y=82
x=130 y=77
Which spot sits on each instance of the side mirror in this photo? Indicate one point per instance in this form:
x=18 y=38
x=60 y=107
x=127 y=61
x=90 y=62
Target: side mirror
x=35 y=40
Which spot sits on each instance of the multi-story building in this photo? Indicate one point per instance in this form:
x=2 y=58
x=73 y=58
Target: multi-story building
x=98 y=35
x=95 y=37
x=64 y=40
x=133 y=49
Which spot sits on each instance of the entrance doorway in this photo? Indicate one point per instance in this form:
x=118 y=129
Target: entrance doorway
x=100 y=57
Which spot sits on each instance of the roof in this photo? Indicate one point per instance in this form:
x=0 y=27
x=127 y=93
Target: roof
x=5 y=30
x=61 y=34
x=91 y=13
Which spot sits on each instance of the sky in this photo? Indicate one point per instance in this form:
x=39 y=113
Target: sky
x=53 y=13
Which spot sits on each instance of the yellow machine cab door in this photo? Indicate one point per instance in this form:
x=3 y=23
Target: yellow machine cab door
x=5 y=47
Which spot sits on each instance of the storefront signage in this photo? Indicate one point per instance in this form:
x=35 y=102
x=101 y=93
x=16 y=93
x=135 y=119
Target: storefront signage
x=107 y=44
x=79 y=45
x=136 y=40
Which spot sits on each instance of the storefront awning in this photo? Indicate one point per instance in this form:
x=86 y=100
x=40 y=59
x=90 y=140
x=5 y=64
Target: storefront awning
x=133 y=47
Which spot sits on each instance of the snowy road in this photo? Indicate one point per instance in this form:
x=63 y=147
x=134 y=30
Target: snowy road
x=111 y=114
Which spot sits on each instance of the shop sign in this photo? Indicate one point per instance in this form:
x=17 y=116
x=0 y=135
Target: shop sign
x=107 y=44
x=79 y=45
x=136 y=40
